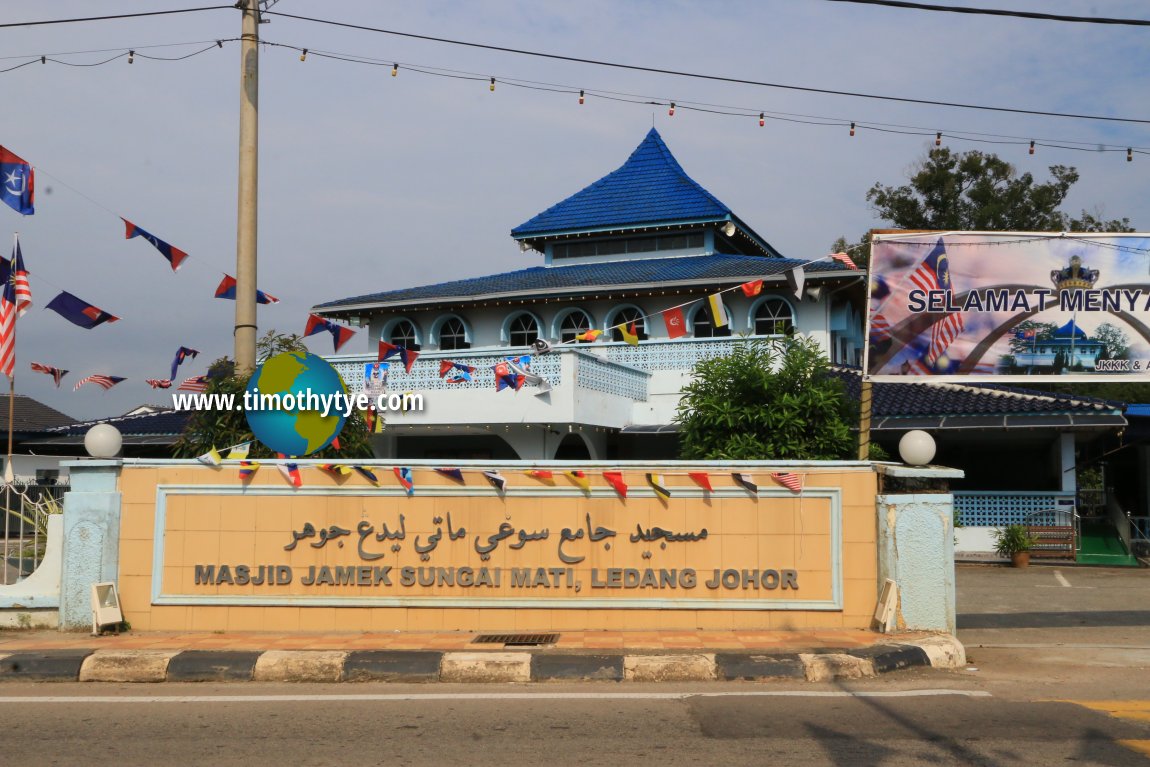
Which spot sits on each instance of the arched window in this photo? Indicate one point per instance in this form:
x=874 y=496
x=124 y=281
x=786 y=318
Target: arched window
x=627 y=315
x=703 y=327
x=522 y=330
x=774 y=317
x=453 y=334
x=403 y=333
x=572 y=324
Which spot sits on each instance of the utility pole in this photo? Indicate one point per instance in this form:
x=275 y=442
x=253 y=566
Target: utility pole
x=245 y=327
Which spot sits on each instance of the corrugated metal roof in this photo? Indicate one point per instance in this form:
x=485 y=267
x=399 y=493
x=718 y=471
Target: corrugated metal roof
x=551 y=280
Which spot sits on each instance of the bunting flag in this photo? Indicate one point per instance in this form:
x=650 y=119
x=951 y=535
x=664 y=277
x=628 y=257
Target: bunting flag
x=19 y=277
x=542 y=475
x=455 y=474
x=339 y=334
x=248 y=469
x=747 y=482
x=629 y=334
x=56 y=373
x=589 y=335
x=373 y=421
x=195 y=383
x=104 y=382
x=541 y=346
x=752 y=288
x=158 y=383
x=406 y=356
x=403 y=474
x=796 y=278
x=239 y=452
x=506 y=379
x=845 y=260
x=210 y=458
x=291 y=473
x=702 y=479
x=367 y=474
x=789 y=480
x=463 y=376
x=227 y=289
x=79 y=312
x=717 y=311
x=17 y=183
x=521 y=367
x=335 y=443
x=497 y=480
x=675 y=321
x=174 y=255
x=335 y=469
x=182 y=354
x=580 y=479
x=615 y=480
x=659 y=485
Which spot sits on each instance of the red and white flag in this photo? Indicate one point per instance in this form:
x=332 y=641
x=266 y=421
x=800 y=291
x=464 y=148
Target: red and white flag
x=676 y=322
x=56 y=373
x=195 y=383
x=844 y=259
x=789 y=480
x=104 y=382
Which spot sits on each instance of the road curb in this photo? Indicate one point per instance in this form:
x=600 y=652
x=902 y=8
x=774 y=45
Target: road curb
x=86 y=665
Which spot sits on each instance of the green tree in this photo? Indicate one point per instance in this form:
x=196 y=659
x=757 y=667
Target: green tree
x=977 y=191
x=1116 y=343
x=1043 y=331
x=773 y=399
x=219 y=428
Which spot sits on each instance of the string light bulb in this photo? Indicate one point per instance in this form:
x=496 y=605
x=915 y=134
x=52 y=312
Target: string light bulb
x=1129 y=154
x=303 y=55
x=43 y=59
x=852 y=129
x=131 y=57
x=580 y=96
x=394 y=70
x=938 y=139
x=1032 y=147
x=762 y=119
x=671 y=111
x=492 y=86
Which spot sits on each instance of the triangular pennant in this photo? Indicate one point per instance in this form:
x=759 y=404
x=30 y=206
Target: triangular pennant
x=455 y=474
x=367 y=474
x=580 y=479
x=210 y=458
x=497 y=480
x=248 y=469
x=239 y=452
x=291 y=473
x=615 y=480
x=659 y=485
x=174 y=255
x=746 y=481
x=403 y=474
x=543 y=475
x=796 y=278
x=702 y=479
x=789 y=480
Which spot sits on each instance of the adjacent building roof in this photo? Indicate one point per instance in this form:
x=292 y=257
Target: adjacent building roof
x=159 y=428
x=599 y=277
x=31 y=415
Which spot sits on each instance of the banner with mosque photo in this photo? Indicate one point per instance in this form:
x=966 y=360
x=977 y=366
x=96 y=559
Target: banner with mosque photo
x=1009 y=305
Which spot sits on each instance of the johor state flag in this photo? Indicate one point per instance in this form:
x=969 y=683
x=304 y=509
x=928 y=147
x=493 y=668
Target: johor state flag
x=387 y=351
x=676 y=322
x=174 y=255
x=79 y=312
x=227 y=289
x=16 y=183
x=339 y=334
x=181 y=354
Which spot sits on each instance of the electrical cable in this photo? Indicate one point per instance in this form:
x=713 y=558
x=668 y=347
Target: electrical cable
x=999 y=12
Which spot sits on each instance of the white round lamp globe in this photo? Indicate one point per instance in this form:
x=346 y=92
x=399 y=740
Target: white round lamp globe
x=916 y=448
x=103 y=441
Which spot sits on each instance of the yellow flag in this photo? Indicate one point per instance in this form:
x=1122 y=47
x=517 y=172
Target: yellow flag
x=629 y=334
x=580 y=479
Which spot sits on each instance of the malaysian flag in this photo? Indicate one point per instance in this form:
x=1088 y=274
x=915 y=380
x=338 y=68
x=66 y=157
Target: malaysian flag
x=8 y=312
x=56 y=373
x=844 y=259
x=159 y=383
x=104 y=382
x=195 y=383
x=789 y=480
x=20 y=281
x=934 y=274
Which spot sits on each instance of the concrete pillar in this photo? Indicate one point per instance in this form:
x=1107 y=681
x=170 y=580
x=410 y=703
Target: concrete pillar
x=1064 y=463
x=91 y=537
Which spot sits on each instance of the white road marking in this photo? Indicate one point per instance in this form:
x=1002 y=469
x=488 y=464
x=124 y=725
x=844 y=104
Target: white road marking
x=1062 y=581
x=396 y=697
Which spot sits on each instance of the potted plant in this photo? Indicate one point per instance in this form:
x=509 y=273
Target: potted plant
x=1015 y=542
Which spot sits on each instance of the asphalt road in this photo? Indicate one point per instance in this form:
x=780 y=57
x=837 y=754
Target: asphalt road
x=1060 y=674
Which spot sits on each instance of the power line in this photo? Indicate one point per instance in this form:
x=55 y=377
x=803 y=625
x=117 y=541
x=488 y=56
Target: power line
x=998 y=12
x=116 y=16
x=713 y=78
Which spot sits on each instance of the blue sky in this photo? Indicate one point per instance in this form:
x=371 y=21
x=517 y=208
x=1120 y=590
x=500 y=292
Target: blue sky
x=370 y=182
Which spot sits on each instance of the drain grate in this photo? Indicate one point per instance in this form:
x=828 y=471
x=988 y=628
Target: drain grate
x=516 y=640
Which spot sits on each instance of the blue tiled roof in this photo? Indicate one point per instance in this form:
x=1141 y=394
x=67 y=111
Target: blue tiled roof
x=163 y=423
x=551 y=280
x=650 y=188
